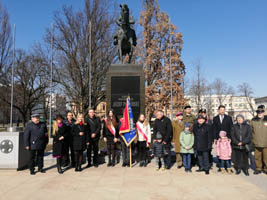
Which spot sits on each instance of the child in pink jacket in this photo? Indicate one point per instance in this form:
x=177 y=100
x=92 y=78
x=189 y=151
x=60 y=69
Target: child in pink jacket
x=224 y=151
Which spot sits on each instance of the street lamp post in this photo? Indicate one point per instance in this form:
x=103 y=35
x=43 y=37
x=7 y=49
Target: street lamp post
x=90 y=65
x=51 y=77
x=171 y=72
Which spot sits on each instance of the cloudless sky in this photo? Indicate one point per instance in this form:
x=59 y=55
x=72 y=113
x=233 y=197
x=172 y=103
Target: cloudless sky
x=228 y=36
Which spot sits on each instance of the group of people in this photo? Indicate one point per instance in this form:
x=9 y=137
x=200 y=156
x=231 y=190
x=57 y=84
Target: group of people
x=70 y=139
x=234 y=142
x=192 y=138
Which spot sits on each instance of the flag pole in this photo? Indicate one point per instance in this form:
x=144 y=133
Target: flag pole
x=12 y=79
x=130 y=155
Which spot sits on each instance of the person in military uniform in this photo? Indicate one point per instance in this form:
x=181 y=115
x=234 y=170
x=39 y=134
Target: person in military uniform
x=259 y=139
x=191 y=119
x=188 y=116
x=35 y=141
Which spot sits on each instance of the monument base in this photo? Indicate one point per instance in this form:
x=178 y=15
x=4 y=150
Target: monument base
x=125 y=80
x=13 y=155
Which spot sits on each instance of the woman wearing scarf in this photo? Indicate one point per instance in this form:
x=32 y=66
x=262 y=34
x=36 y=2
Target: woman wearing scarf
x=241 y=136
x=81 y=135
x=143 y=139
x=111 y=135
x=59 y=134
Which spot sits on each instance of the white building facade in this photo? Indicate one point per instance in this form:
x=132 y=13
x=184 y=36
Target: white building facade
x=234 y=105
x=261 y=101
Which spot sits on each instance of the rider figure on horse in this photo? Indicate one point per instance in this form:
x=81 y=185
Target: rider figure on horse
x=125 y=37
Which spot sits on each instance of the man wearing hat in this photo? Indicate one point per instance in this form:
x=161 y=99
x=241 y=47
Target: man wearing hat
x=188 y=116
x=203 y=112
x=259 y=139
x=163 y=125
x=35 y=141
x=178 y=127
x=202 y=143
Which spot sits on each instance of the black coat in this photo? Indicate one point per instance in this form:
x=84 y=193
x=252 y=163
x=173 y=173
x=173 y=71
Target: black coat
x=203 y=137
x=79 y=142
x=69 y=126
x=241 y=133
x=36 y=136
x=164 y=126
x=58 y=145
x=159 y=149
x=110 y=137
x=226 y=125
x=95 y=127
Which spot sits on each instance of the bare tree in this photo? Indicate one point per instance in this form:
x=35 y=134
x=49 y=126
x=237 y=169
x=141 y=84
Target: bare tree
x=221 y=89
x=5 y=44
x=199 y=90
x=245 y=90
x=72 y=44
x=30 y=84
x=5 y=60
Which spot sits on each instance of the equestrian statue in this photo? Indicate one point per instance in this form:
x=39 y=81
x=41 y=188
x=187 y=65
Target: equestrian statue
x=125 y=37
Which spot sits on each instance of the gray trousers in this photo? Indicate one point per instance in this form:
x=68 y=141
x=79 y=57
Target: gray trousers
x=160 y=161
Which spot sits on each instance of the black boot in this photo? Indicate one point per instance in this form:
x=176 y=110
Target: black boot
x=145 y=163
x=59 y=169
x=109 y=160
x=32 y=172
x=76 y=167
x=113 y=161
x=256 y=172
x=200 y=170
x=246 y=172
x=41 y=170
x=238 y=171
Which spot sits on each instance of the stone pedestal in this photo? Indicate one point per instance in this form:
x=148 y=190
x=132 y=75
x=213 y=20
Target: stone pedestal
x=123 y=80
x=12 y=151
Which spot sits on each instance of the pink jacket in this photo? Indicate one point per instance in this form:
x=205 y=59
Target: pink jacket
x=223 y=148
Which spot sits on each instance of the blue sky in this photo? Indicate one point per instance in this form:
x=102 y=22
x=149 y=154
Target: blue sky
x=228 y=36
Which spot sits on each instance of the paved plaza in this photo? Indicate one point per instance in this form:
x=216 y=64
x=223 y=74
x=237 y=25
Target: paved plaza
x=125 y=183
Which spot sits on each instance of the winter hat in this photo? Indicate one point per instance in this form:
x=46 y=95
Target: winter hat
x=202 y=111
x=241 y=116
x=179 y=114
x=186 y=124
x=260 y=109
x=201 y=117
x=158 y=135
x=35 y=115
x=188 y=106
x=222 y=133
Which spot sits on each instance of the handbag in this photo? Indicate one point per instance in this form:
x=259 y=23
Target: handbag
x=249 y=147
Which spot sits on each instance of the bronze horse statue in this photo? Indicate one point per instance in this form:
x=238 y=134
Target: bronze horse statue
x=125 y=37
